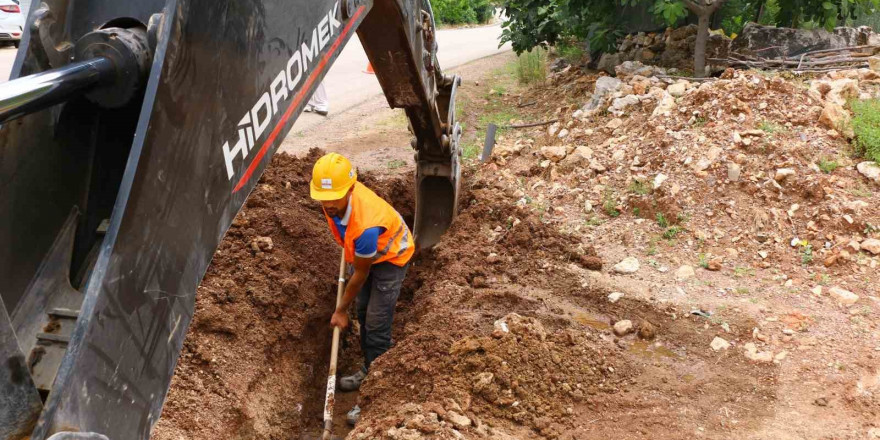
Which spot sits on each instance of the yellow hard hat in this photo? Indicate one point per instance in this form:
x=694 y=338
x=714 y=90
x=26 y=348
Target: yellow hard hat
x=332 y=177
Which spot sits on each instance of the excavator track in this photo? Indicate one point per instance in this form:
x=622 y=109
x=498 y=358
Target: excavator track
x=133 y=132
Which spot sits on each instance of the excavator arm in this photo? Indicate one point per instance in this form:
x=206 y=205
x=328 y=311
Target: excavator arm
x=132 y=133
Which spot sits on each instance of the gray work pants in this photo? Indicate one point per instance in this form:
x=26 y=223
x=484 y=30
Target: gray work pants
x=375 y=309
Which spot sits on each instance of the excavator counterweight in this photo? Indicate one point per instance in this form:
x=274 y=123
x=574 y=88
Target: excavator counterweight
x=132 y=133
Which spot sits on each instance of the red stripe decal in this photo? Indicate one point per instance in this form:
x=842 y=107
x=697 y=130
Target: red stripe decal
x=296 y=101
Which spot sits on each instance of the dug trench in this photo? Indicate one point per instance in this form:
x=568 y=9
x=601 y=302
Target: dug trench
x=500 y=332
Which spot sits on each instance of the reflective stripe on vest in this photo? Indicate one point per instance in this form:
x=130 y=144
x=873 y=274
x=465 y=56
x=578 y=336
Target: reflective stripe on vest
x=369 y=210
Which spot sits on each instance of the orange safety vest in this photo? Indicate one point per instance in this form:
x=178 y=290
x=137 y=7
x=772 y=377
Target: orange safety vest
x=368 y=210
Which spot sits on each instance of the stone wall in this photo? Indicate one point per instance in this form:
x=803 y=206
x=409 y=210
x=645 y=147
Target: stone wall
x=673 y=48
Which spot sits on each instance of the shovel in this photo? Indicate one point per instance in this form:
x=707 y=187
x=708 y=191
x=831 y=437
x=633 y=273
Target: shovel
x=330 y=398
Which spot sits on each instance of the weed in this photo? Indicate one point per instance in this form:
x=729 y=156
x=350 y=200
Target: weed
x=595 y=221
x=700 y=121
x=704 y=261
x=531 y=66
x=652 y=245
x=866 y=126
x=807 y=254
x=637 y=212
x=861 y=191
x=396 y=163
x=683 y=218
x=740 y=271
x=827 y=166
x=823 y=279
x=742 y=290
x=609 y=205
x=672 y=232
x=661 y=220
x=639 y=187
x=770 y=127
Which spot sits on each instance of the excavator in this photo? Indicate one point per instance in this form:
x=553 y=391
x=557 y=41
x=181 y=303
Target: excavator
x=132 y=133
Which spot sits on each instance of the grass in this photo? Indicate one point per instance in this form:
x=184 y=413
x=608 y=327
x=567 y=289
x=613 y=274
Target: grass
x=866 y=126
x=470 y=150
x=639 y=187
x=742 y=290
x=827 y=165
x=396 y=163
x=571 y=51
x=531 y=66
x=700 y=121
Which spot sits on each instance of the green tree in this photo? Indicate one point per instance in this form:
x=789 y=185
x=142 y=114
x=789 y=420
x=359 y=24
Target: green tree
x=544 y=22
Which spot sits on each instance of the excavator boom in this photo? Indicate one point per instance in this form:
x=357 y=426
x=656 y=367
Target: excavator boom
x=133 y=132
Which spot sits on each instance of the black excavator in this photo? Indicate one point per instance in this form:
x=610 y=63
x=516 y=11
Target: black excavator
x=132 y=133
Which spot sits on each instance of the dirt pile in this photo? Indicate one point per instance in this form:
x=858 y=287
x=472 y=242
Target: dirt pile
x=743 y=159
x=255 y=359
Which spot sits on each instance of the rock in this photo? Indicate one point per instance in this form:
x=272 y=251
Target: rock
x=684 y=272
x=774 y=42
x=580 y=157
x=659 y=179
x=665 y=105
x=554 y=154
x=871 y=245
x=608 y=62
x=817 y=291
x=618 y=105
x=623 y=327
x=614 y=124
x=628 y=265
x=874 y=63
x=834 y=116
x=618 y=155
x=869 y=169
x=596 y=166
x=843 y=296
x=783 y=173
x=262 y=244
x=677 y=89
x=780 y=356
x=714 y=265
x=500 y=328
x=752 y=353
x=458 y=420
x=734 y=171
x=605 y=86
x=613 y=297
x=493 y=258
x=719 y=344
x=647 y=330
x=562 y=133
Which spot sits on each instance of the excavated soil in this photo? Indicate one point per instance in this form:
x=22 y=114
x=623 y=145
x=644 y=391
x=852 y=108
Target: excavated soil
x=504 y=338
x=255 y=360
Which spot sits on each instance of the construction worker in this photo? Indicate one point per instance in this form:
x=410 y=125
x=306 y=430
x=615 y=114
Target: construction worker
x=378 y=246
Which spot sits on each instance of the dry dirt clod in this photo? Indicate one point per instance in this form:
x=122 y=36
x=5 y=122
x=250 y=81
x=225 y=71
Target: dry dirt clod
x=719 y=344
x=647 y=331
x=843 y=296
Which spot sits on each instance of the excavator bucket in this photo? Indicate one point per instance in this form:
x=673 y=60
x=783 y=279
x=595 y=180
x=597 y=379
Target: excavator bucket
x=133 y=132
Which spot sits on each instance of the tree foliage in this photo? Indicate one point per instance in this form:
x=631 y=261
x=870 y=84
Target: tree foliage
x=533 y=23
x=462 y=11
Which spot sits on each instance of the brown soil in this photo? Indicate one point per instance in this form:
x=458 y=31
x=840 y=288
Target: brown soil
x=255 y=360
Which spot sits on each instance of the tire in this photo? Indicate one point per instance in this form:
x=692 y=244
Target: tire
x=16 y=44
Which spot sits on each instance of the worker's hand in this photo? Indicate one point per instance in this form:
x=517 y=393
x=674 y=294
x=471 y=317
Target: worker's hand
x=339 y=319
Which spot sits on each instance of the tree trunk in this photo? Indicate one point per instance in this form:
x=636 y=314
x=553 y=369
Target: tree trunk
x=702 y=38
